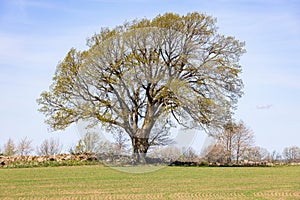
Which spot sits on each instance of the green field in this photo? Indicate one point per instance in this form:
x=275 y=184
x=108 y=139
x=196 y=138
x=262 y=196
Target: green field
x=99 y=182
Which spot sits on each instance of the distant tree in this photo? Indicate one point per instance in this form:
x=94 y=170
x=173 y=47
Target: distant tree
x=79 y=148
x=50 y=147
x=243 y=140
x=226 y=139
x=291 y=154
x=256 y=154
x=235 y=138
x=215 y=153
x=24 y=146
x=189 y=155
x=146 y=74
x=9 y=148
x=275 y=156
x=120 y=142
x=167 y=153
x=92 y=143
x=265 y=154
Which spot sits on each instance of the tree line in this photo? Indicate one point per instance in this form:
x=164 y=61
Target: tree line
x=90 y=143
x=25 y=147
x=234 y=145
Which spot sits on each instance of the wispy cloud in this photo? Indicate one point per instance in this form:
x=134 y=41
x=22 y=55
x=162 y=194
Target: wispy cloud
x=264 y=106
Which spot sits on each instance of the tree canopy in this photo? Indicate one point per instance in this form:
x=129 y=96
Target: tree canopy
x=144 y=75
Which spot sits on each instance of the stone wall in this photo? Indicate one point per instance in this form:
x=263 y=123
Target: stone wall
x=8 y=160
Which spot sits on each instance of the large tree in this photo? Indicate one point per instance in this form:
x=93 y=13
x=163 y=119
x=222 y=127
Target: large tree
x=145 y=75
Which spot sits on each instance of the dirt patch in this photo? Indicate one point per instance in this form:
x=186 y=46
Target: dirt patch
x=207 y=195
x=277 y=194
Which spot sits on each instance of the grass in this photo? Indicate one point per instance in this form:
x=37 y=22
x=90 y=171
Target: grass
x=100 y=182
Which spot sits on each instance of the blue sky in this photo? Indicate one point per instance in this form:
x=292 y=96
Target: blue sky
x=36 y=35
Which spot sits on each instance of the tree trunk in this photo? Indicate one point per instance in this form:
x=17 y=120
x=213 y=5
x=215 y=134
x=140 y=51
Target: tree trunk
x=238 y=155
x=140 y=147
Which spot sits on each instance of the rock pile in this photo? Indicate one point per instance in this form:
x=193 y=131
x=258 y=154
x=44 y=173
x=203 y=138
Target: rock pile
x=8 y=160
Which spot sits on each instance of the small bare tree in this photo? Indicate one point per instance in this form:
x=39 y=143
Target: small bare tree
x=235 y=139
x=243 y=140
x=215 y=153
x=120 y=143
x=49 y=147
x=189 y=155
x=275 y=157
x=89 y=143
x=24 y=146
x=9 y=148
x=256 y=154
x=291 y=154
x=226 y=139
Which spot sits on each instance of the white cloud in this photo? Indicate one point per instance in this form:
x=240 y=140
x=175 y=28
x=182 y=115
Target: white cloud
x=264 y=106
